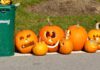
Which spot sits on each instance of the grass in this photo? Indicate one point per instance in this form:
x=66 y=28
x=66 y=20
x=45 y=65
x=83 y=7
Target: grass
x=29 y=20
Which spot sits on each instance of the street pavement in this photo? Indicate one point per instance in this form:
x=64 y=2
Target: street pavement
x=74 y=61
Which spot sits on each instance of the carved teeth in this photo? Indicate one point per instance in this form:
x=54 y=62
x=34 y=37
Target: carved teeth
x=27 y=45
x=23 y=46
x=54 y=45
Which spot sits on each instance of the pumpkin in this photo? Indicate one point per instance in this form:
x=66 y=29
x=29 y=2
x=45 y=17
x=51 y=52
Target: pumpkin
x=78 y=36
x=51 y=35
x=98 y=46
x=6 y=2
x=66 y=45
x=94 y=34
x=40 y=49
x=90 y=46
x=25 y=41
x=98 y=42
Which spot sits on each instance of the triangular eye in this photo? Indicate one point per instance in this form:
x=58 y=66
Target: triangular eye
x=28 y=35
x=62 y=44
x=21 y=38
x=47 y=34
x=53 y=35
x=97 y=35
x=94 y=37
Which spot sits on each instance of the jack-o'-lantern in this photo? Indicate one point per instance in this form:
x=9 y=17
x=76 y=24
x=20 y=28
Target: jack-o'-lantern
x=25 y=41
x=66 y=45
x=95 y=34
x=51 y=35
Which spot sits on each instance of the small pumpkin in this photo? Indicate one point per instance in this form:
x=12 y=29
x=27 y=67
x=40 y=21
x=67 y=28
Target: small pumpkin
x=40 y=49
x=78 y=36
x=66 y=45
x=90 y=46
x=25 y=41
x=51 y=35
x=6 y=2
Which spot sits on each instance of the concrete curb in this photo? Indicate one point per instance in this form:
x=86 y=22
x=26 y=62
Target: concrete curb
x=74 y=52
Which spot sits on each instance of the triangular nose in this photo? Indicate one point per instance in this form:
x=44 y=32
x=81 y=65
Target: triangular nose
x=26 y=40
x=50 y=40
x=49 y=34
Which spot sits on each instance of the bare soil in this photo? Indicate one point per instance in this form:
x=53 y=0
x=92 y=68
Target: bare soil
x=66 y=7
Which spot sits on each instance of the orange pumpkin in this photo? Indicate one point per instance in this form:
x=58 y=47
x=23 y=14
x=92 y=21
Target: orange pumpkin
x=78 y=36
x=51 y=35
x=90 y=46
x=98 y=42
x=98 y=46
x=40 y=49
x=94 y=34
x=66 y=45
x=25 y=41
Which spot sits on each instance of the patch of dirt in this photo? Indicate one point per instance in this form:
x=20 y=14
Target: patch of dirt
x=66 y=7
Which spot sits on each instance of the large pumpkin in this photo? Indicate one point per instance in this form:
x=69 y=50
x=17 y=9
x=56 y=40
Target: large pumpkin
x=78 y=36
x=51 y=35
x=25 y=41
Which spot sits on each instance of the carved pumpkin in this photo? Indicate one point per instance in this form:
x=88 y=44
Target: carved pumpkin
x=95 y=34
x=90 y=46
x=40 y=49
x=25 y=41
x=6 y=2
x=78 y=36
x=66 y=45
x=51 y=35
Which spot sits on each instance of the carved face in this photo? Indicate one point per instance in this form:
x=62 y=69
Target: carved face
x=94 y=34
x=51 y=35
x=4 y=2
x=66 y=46
x=25 y=41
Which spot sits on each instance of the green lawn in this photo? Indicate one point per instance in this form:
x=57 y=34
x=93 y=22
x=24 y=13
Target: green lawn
x=29 y=20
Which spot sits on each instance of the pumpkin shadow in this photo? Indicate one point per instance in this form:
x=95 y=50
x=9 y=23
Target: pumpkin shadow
x=16 y=50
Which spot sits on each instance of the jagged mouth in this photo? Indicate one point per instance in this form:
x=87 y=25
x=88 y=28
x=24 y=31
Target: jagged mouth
x=28 y=44
x=54 y=45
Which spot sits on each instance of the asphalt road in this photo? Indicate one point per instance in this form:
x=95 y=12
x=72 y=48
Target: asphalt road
x=80 y=61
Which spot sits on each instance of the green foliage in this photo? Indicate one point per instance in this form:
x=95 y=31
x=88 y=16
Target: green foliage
x=26 y=19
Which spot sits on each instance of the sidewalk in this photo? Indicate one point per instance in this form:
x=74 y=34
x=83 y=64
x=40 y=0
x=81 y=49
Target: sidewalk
x=74 y=61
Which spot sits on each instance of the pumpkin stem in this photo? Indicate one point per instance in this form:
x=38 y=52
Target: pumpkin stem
x=67 y=33
x=78 y=25
x=98 y=25
x=49 y=22
x=39 y=39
